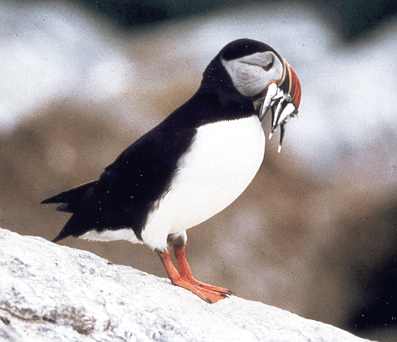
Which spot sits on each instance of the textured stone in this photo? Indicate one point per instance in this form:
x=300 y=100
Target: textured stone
x=54 y=293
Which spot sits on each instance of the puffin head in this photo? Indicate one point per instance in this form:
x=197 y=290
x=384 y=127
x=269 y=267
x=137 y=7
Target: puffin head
x=252 y=73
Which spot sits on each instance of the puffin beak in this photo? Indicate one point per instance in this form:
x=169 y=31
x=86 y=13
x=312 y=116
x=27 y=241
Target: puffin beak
x=283 y=99
x=294 y=86
x=282 y=96
x=286 y=104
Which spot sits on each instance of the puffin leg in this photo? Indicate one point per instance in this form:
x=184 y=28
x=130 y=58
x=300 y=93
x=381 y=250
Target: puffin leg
x=178 y=280
x=186 y=271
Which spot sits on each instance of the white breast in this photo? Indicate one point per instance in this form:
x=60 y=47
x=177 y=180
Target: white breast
x=221 y=163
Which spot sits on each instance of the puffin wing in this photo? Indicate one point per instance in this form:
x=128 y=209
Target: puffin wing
x=128 y=188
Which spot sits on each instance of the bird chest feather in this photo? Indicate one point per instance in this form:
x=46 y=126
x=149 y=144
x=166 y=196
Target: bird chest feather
x=221 y=162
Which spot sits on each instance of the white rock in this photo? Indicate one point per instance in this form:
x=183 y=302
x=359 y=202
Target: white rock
x=54 y=293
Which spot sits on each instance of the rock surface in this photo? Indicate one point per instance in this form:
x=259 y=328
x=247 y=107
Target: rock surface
x=54 y=293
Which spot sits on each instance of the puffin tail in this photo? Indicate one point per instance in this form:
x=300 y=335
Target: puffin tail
x=73 y=227
x=71 y=199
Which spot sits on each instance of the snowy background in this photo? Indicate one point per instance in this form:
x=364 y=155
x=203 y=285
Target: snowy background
x=315 y=233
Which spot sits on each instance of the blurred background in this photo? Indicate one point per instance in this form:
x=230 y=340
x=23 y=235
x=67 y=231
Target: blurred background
x=315 y=233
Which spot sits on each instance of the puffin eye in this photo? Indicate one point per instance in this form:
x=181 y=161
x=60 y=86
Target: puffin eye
x=268 y=66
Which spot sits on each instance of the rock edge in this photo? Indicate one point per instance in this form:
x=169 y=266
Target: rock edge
x=55 y=293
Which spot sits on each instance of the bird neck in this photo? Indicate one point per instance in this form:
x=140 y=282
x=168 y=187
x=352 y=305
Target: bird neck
x=207 y=106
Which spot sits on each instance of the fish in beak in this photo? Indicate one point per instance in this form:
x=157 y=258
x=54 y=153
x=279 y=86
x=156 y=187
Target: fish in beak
x=282 y=99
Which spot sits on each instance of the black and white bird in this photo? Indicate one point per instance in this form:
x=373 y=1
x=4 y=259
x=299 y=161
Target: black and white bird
x=192 y=165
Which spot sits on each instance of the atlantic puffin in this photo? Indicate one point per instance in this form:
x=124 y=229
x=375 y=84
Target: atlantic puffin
x=192 y=165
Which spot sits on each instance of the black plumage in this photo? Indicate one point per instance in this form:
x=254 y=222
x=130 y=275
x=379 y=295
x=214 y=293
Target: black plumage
x=189 y=167
x=129 y=187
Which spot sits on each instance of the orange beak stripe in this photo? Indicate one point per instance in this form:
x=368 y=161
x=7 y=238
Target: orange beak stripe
x=295 y=86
